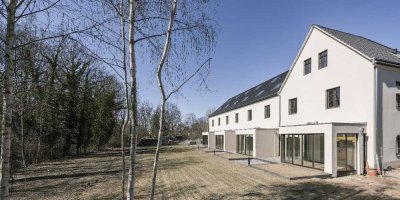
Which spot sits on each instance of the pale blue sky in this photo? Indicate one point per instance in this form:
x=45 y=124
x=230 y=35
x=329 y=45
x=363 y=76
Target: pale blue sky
x=259 y=39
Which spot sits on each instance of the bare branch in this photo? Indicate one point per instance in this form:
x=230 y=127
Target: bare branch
x=36 y=11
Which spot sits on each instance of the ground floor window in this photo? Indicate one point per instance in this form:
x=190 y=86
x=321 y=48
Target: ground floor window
x=303 y=149
x=219 y=142
x=244 y=144
x=205 y=140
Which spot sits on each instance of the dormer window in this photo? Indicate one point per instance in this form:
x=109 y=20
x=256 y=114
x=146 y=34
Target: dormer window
x=307 y=66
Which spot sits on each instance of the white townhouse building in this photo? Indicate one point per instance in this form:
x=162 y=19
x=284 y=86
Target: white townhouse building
x=337 y=109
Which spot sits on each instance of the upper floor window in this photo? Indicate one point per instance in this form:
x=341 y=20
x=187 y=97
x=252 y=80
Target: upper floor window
x=212 y=123
x=398 y=101
x=307 y=66
x=267 y=111
x=292 y=106
x=333 y=98
x=236 y=117
x=227 y=119
x=249 y=115
x=219 y=121
x=323 y=59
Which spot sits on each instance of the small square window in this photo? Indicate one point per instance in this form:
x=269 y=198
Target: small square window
x=267 y=111
x=323 y=59
x=307 y=66
x=249 y=115
x=292 y=106
x=333 y=98
x=236 y=117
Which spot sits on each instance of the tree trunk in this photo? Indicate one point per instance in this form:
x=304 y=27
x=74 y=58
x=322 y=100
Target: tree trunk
x=164 y=97
x=7 y=101
x=126 y=87
x=133 y=116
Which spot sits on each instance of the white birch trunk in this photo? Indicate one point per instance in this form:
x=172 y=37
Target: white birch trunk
x=127 y=105
x=164 y=97
x=7 y=101
x=133 y=115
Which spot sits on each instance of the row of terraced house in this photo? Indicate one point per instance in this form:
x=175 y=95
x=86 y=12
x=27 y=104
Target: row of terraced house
x=337 y=109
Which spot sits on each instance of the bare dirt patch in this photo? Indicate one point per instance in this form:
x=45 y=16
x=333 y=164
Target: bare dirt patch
x=185 y=173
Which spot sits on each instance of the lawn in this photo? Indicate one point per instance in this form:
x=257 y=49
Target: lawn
x=186 y=173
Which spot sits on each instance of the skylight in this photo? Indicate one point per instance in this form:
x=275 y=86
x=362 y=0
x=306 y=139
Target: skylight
x=245 y=98
x=259 y=93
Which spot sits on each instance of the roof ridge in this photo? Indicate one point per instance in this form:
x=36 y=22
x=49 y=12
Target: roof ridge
x=324 y=27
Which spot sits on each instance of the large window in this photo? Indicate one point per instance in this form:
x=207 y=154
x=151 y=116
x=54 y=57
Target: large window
x=227 y=119
x=267 y=111
x=398 y=145
x=244 y=144
x=323 y=59
x=205 y=140
x=249 y=115
x=333 y=98
x=303 y=149
x=236 y=117
x=398 y=101
x=292 y=106
x=219 y=142
x=307 y=66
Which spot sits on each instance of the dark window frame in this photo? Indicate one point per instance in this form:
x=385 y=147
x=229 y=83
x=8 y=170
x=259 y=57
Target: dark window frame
x=219 y=121
x=336 y=98
x=236 y=117
x=292 y=107
x=307 y=66
x=212 y=123
x=398 y=145
x=249 y=115
x=323 y=63
x=267 y=111
x=398 y=101
x=227 y=119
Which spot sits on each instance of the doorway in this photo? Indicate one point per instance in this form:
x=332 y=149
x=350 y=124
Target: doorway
x=346 y=152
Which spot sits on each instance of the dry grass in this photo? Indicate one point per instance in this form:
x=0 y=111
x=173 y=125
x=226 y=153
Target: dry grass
x=185 y=174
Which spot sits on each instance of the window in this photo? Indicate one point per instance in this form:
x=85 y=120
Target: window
x=292 y=106
x=249 y=115
x=398 y=145
x=333 y=98
x=237 y=118
x=397 y=83
x=219 y=121
x=267 y=111
x=307 y=66
x=212 y=123
x=398 y=101
x=323 y=59
x=227 y=119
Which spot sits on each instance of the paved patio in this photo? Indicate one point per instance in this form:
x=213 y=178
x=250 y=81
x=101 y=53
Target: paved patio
x=291 y=172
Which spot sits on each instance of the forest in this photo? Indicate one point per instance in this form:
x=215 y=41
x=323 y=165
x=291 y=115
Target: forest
x=69 y=82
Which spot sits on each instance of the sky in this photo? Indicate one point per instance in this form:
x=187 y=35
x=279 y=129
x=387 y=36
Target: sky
x=259 y=39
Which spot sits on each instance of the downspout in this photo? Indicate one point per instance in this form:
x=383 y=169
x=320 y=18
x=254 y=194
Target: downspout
x=376 y=99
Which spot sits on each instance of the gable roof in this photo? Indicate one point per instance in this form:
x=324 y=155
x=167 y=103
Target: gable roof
x=367 y=47
x=255 y=94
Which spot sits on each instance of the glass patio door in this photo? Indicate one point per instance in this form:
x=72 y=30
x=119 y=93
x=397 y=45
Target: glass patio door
x=346 y=152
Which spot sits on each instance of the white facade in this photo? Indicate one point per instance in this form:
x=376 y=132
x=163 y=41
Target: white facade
x=258 y=118
x=365 y=122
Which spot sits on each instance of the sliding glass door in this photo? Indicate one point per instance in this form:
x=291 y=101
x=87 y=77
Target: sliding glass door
x=244 y=144
x=219 y=142
x=346 y=152
x=303 y=149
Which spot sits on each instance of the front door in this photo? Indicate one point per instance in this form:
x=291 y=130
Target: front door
x=346 y=152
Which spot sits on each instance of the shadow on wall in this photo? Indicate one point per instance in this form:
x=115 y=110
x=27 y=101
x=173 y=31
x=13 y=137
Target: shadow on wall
x=301 y=190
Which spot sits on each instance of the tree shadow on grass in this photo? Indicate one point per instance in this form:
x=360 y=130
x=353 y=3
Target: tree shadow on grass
x=302 y=190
